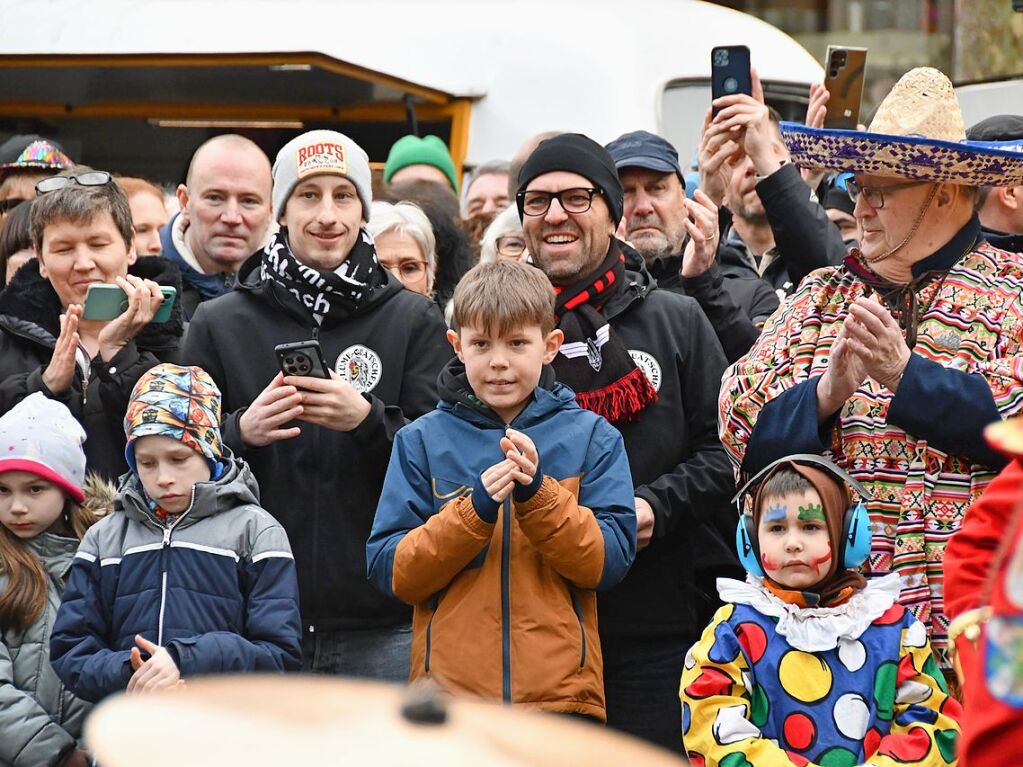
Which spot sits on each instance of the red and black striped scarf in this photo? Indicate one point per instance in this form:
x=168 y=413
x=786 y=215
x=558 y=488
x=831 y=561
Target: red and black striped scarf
x=593 y=361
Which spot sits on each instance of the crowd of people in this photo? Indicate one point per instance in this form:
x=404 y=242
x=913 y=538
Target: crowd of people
x=713 y=469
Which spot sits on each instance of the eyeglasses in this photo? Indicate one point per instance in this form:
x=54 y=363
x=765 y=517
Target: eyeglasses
x=875 y=194
x=91 y=178
x=576 y=200
x=511 y=245
x=409 y=271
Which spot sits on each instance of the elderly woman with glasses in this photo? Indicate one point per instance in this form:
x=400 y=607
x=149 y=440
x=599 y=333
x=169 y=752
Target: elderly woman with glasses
x=894 y=361
x=81 y=232
x=405 y=244
x=504 y=239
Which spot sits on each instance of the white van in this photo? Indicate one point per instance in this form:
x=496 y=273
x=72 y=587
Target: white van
x=135 y=85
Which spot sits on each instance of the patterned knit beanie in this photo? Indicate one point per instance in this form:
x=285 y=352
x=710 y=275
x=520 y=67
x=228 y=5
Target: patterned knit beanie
x=39 y=435
x=178 y=402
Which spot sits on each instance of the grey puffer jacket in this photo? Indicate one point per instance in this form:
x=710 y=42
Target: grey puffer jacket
x=40 y=721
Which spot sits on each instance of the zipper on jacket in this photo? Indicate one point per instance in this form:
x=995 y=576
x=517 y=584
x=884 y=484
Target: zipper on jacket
x=506 y=692
x=85 y=377
x=577 y=609
x=164 y=556
x=434 y=604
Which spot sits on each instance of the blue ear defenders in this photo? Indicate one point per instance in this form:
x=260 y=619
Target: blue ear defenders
x=855 y=522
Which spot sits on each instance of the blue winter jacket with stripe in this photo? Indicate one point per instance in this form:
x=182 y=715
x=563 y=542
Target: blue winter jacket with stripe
x=217 y=588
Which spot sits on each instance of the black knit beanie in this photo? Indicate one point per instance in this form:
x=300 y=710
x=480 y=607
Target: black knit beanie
x=575 y=153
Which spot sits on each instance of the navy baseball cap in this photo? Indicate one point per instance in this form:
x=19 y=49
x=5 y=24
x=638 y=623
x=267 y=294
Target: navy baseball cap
x=641 y=149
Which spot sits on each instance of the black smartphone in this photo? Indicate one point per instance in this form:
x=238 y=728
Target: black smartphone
x=729 y=71
x=844 y=68
x=302 y=358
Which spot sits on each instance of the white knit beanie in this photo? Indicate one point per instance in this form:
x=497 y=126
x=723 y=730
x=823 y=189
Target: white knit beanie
x=39 y=435
x=317 y=152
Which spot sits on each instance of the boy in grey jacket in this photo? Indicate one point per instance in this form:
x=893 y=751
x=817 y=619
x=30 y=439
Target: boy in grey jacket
x=189 y=575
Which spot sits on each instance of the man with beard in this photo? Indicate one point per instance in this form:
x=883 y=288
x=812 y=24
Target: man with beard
x=224 y=218
x=320 y=446
x=777 y=231
x=648 y=361
x=658 y=225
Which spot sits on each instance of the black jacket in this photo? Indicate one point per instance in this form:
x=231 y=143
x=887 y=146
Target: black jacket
x=804 y=237
x=29 y=325
x=1013 y=243
x=678 y=466
x=323 y=486
x=737 y=307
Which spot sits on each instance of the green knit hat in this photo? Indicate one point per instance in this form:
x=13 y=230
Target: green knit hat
x=412 y=150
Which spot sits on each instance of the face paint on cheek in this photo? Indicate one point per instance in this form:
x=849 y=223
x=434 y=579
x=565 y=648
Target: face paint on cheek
x=822 y=560
x=811 y=513
x=774 y=514
x=769 y=564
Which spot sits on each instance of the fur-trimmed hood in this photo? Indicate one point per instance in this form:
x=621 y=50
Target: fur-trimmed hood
x=29 y=306
x=99 y=495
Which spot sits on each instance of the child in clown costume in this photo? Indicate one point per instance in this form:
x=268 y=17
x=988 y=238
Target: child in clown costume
x=807 y=663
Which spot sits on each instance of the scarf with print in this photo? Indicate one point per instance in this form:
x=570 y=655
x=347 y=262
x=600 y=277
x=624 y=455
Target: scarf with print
x=593 y=361
x=333 y=294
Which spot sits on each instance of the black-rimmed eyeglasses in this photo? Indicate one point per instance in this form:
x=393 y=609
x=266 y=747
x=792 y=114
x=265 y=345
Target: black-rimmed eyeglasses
x=89 y=178
x=874 y=195
x=577 y=200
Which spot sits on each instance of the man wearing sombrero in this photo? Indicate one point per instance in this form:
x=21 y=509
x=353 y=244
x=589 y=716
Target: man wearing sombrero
x=894 y=361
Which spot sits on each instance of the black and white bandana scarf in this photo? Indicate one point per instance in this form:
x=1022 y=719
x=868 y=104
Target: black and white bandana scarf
x=335 y=294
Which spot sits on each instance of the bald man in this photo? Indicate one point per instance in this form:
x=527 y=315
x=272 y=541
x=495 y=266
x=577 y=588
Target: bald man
x=224 y=218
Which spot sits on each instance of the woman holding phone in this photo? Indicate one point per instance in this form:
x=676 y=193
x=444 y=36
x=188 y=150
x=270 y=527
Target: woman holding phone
x=81 y=230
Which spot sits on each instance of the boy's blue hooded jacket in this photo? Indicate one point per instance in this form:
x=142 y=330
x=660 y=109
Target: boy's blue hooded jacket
x=505 y=595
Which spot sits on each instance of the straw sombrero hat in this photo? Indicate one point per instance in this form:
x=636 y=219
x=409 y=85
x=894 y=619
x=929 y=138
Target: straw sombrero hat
x=917 y=133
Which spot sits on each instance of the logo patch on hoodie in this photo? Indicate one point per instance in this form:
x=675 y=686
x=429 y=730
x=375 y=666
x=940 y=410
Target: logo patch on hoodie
x=360 y=366
x=651 y=368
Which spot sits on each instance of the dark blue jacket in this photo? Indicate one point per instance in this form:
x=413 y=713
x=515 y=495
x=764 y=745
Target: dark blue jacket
x=217 y=589
x=196 y=286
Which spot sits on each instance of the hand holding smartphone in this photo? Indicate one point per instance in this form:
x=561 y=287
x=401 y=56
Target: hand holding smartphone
x=844 y=69
x=302 y=358
x=730 y=72
x=108 y=302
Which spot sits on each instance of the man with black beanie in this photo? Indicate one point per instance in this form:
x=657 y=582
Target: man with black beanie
x=1001 y=207
x=648 y=361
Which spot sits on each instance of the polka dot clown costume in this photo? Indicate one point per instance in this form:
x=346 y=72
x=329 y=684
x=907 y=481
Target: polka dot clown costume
x=851 y=681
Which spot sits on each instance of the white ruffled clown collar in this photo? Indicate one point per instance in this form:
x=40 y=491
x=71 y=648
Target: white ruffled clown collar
x=815 y=629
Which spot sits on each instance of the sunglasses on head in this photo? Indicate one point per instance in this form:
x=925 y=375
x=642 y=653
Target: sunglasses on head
x=90 y=178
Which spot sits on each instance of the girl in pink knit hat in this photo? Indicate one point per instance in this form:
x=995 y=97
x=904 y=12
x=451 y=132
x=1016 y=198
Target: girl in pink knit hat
x=44 y=512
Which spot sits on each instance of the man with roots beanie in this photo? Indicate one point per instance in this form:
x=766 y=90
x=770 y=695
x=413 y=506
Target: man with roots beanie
x=319 y=447
x=649 y=362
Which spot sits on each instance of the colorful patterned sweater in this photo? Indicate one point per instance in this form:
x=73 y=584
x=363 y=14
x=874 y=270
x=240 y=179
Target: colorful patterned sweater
x=920 y=452
x=760 y=690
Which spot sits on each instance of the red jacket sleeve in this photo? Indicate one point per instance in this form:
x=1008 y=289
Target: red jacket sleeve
x=969 y=554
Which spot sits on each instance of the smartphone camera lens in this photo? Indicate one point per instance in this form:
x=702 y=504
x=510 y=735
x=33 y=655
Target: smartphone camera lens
x=731 y=85
x=841 y=58
x=721 y=58
x=289 y=360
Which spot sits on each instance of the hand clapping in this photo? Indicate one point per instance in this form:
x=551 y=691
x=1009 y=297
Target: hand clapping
x=520 y=465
